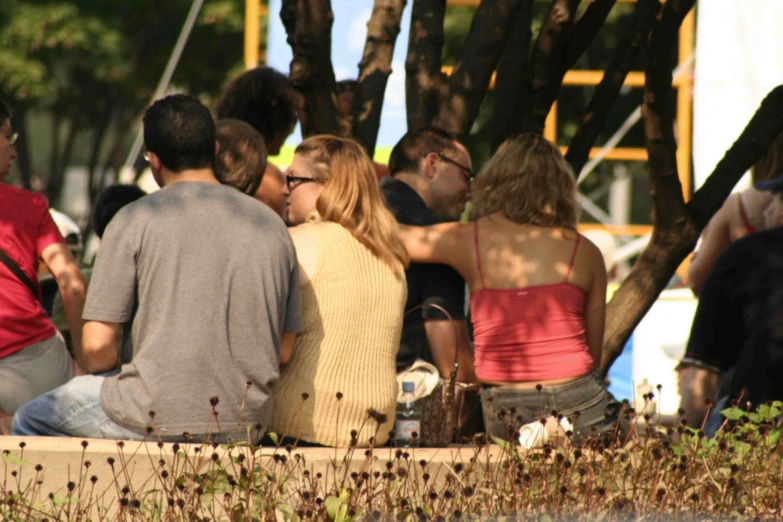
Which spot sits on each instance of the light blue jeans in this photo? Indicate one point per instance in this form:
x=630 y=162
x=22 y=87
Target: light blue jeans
x=72 y=410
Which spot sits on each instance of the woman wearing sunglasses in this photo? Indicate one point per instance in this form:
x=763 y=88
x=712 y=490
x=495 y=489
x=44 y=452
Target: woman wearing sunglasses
x=353 y=296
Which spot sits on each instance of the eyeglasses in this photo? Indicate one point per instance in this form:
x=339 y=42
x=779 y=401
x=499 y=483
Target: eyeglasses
x=12 y=138
x=468 y=172
x=295 y=181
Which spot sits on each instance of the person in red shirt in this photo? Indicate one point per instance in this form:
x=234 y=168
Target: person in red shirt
x=33 y=355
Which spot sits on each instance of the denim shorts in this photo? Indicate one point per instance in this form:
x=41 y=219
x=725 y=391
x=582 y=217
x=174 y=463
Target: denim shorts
x=586 y=395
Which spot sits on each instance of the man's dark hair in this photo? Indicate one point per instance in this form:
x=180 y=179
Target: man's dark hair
x=110 y=201
x=415 y=145
x=181 y=132
x=5 y=111
x=262 y=97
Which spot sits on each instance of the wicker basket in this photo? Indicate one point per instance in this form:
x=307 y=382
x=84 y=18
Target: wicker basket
x=438 y=409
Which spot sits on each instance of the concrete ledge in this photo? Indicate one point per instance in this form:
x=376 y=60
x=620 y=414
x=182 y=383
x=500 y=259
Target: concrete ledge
x=140 y=466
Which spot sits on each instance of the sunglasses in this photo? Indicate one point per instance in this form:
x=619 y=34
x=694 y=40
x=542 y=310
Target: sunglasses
x=468 y=173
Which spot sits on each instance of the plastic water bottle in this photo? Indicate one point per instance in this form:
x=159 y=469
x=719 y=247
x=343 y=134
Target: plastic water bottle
x=408 y=418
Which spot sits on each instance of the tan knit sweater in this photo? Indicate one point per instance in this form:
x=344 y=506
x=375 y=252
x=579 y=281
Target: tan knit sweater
x=352 y=311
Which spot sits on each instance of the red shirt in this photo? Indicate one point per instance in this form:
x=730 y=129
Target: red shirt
x=26 y=229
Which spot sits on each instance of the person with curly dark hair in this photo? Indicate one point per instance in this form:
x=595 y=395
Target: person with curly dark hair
x=264 y=98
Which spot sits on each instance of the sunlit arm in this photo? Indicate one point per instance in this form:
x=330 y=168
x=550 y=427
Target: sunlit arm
x=62 y=265
x=99 y=346
x=433 y=244
x=286 y=347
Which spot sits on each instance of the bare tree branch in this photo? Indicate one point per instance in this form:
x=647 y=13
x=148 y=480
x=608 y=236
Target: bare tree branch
x=308 y=24
x=677 y=226
x=606 y=92
x=549 y=56
x=513 y=76
x=752 y=144
x=470 y=78
x=658 y=113
x=666 y=251
x=586 y=28
x=374 y=71
x=423 y=78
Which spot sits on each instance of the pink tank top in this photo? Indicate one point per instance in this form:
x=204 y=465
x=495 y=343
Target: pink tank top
x=535 y=333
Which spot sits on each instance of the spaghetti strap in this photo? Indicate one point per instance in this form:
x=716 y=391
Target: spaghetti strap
x=749 y=227
x=573 y=257
x=478 y=257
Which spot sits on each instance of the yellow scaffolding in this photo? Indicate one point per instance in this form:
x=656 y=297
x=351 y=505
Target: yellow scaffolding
x=683 y=82
x=254 y=10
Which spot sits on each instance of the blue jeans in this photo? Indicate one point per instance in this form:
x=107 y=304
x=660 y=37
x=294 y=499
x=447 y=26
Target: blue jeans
x=72 y=410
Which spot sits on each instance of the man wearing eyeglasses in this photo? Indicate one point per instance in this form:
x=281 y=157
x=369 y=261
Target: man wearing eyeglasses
x=33 y=355
x=431 y=175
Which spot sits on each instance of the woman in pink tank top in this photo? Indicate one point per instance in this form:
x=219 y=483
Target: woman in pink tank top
x=538 y=289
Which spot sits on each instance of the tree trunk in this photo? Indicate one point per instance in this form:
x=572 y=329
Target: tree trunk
x=586 y=28
x=308 y=24
x=22 y=145
x=677 y=226
x=512 y=83
x=548 y=61
x=752 y=144
x=606 y=92
x=57 y=181
x=54 y=154
x=424 y=80
x=98 y=135
x=470 y=78
x=666 y=251
x=658 y=113
x=374 y=71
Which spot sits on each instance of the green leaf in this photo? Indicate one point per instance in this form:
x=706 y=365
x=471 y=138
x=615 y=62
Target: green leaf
x=773 y=438
x=274 y=438
x=755 y=418
x=733 y=414
x=742 y=448
x=332 y=504
x=60 y=499
x=341 y=513
x=14 y=460
x=500 y=442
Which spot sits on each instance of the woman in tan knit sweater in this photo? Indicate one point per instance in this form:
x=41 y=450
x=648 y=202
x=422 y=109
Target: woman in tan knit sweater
x=352 y=275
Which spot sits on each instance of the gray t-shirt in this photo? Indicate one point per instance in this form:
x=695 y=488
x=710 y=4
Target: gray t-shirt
x=214 y=276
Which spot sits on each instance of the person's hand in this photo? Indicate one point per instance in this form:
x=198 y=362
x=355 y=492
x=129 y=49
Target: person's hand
x=5 y=422
x=78 y=369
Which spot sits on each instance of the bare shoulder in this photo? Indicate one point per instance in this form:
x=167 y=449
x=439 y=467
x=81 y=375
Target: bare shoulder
x=591 y=253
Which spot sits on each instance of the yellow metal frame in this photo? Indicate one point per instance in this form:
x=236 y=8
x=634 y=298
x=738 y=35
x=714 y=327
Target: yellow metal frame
x=254 y=10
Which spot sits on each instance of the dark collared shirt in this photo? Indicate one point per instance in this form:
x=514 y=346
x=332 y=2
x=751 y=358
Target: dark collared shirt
x=427 y=283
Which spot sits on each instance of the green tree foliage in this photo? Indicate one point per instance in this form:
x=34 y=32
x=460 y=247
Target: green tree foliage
x=91 y=66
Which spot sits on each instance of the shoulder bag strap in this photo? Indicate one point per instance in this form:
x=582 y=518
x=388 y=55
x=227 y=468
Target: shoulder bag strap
x=14 y=268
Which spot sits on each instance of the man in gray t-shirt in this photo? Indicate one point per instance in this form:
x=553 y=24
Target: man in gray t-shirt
x=207 y=276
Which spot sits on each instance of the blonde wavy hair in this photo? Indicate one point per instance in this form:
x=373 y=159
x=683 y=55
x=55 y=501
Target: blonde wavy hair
x=351 y=196
x=529 y=182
